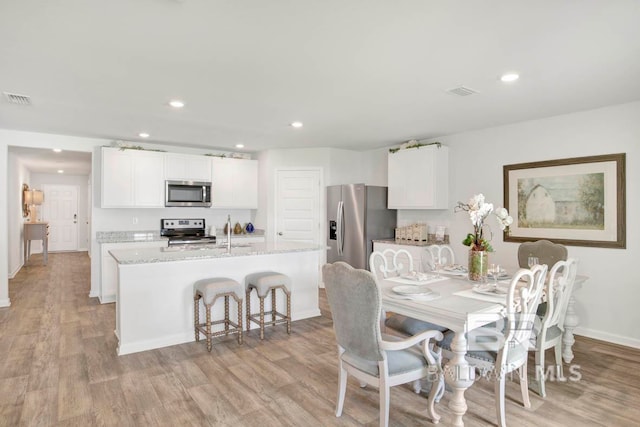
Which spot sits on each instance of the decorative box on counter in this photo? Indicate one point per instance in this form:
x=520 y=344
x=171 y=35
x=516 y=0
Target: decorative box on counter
x=421 y=234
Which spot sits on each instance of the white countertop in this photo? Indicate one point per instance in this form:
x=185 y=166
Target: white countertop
x=168 y=254
x=128 y=236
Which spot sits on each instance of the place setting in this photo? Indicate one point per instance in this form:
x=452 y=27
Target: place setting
x=414 y=278
x=413 y=292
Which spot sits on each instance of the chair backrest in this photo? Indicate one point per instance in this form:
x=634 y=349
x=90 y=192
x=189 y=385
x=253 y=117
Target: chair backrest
x=547 y=252
x=354 y=299
x=437 y=254
x=559 y=288
x=523 y=298
x=390 y=263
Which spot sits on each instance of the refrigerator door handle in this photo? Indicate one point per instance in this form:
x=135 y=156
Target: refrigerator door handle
x=339 y=226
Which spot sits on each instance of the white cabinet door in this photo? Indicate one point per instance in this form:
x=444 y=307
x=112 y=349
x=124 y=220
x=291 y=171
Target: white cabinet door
x=117 y=178
x=187 y=167
x=234 y=183
x=418 y=178
x=132 y=178
x=246 y=184
x=148 y=179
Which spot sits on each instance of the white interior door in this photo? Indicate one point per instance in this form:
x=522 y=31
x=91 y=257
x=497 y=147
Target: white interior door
x=298 y=205
x=60 y=210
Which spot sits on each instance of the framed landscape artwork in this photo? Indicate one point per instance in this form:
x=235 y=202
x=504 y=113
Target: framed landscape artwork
x=577 y=202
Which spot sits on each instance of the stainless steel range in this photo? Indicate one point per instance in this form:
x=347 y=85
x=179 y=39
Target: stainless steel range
x=185 y=232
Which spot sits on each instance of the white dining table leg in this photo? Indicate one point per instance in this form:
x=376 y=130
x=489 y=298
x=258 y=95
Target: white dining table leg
x=459 y=376
x=571 y=320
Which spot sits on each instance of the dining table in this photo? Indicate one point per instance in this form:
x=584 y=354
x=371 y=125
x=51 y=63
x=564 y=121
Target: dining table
x=453 y=302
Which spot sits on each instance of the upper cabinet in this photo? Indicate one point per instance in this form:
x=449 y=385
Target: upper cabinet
x=418 y=178
x=234 y=183
x=132 y=178
x=187 y=167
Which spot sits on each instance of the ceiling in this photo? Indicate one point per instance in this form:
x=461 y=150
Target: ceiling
x=46 y=161
x=360 y=74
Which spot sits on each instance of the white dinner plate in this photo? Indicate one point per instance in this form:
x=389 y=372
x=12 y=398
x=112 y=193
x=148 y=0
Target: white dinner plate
x=412 y=290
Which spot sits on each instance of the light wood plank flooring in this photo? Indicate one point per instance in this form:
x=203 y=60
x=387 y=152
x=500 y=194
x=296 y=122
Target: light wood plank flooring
x=58 y=366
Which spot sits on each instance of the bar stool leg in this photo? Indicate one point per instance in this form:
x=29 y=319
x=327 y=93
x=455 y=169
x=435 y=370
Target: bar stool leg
x=226 y=315
x=239 y=321
x=208 y=326
x=261 y=317
x=273 y=304
x=196 y=316
x=248 y=296
x=288 y=294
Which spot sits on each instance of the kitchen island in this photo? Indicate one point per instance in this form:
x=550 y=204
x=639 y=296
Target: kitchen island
x=154 y=298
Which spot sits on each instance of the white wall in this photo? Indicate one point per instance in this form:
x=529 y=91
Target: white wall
x=17 y=174
x=608 y=303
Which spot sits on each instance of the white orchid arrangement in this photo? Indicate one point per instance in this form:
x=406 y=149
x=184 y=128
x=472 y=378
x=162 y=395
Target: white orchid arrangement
x=478 y=211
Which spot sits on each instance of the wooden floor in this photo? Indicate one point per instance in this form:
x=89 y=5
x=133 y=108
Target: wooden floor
x=58 y=366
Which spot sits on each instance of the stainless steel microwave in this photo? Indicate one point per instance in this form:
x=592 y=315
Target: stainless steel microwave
x=188 y=193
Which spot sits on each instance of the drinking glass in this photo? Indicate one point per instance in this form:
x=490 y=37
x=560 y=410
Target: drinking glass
x=494 y=269
x=532 y=260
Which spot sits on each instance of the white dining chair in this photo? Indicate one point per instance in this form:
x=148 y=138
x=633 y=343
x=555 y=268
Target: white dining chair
x=390 y=263
x=548 y=331
x=436 y=255
x=502 y=348
x=363 y=352
x=394 y=263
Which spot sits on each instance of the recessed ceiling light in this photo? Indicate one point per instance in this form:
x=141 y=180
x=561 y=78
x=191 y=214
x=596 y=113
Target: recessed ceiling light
x=176 y=103
x=509 y=77
x=143 y=135
x=239 y=145
x=60 y=171
x=57 y=150
x=296 y=124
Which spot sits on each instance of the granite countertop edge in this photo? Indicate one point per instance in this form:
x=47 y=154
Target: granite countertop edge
x=154 y=236
x=156 y=255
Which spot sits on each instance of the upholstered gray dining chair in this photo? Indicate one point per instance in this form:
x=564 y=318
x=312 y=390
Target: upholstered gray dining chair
x=503 y=347
x=547 y=253
x=382 y=361
x=548 y=331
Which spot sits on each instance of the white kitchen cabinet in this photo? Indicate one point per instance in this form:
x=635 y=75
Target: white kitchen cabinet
x=187 y=167
x=234 y=183
x=132 y=178
x=418 y=178
x=109 y=267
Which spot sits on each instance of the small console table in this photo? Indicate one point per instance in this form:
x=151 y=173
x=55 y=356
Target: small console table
x=36 y=231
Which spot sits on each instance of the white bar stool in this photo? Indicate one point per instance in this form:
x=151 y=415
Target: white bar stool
x=210 y=290
x=263 y=282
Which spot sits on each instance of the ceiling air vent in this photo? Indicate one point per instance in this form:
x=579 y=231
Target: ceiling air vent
x=14 y=98
x=462 y=91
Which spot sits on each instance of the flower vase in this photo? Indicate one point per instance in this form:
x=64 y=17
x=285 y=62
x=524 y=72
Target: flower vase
x=478 y=266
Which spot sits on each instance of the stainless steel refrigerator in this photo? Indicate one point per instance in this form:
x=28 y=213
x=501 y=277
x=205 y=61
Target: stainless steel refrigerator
x=357 y=214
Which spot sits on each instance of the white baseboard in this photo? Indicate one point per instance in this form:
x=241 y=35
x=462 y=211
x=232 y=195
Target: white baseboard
x=107 y=299
x=17 y=270
x=93 y=294
x=604 y=336
x=5 y=302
